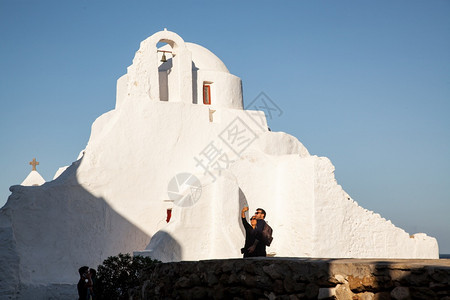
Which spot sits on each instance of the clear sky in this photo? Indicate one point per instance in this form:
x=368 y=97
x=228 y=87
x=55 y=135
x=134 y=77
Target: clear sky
x=364 y=83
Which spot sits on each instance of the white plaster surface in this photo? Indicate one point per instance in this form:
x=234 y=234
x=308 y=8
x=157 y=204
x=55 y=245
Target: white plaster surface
x=33 y=179
x=59 y=172
x=113 y=198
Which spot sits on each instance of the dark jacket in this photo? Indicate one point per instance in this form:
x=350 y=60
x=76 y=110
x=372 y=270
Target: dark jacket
x=254 y=236
x=249 y=238
x=260 y=246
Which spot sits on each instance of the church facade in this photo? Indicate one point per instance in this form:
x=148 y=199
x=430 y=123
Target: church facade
x=166 y=174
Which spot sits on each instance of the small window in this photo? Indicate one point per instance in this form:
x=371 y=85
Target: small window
x=206 y=94
x=169 y=214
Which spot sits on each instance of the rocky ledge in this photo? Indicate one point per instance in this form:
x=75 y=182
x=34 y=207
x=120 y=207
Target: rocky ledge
x=298 y=278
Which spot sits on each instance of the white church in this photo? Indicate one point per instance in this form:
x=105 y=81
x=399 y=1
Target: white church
x=166 y=174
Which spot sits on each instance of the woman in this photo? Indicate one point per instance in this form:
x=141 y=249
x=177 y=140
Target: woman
x=250 y=234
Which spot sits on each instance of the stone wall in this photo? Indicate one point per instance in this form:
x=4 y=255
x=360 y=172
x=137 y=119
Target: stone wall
x=297 y=278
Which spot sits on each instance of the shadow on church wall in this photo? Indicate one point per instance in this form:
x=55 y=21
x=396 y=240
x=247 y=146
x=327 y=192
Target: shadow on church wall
x=168 y=247
x=47 y=232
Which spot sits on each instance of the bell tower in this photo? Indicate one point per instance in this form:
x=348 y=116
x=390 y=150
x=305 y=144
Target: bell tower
x=143 y=79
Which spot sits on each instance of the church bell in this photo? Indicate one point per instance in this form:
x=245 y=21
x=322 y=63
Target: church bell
x=163 y=58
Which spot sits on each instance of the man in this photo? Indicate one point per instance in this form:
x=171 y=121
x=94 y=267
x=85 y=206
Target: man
x=82 y=285
x=259 y=248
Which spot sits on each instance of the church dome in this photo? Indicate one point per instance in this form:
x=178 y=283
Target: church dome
x=202 y=59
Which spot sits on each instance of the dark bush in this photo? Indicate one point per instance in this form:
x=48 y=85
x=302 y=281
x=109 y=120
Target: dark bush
x=118 y=274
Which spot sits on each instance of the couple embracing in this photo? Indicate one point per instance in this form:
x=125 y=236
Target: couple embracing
x=258 y=234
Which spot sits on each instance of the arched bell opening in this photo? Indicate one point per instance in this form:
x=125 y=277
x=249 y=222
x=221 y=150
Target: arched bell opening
x=167 y=74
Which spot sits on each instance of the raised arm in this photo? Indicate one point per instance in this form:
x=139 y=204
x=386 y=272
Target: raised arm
x=243 y=212
x=244 y=220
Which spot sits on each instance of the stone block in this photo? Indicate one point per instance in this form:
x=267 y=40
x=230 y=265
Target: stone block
x=418 y=279
x=382 y=296
x=366 y=283
x=299 y=287
x=199 y=293
x=399 y=275
x=194 y=279
x=289 y=284
x=343 y=292
x=219 y=292
x=270 y=295
x=364 y=296
x=183 y=282
x=274 y=271
x=312 y=291
x=278 y=287
x=401 y=293
x=385 y=282
x=250 y=281
x=263 y=282
x=236 y=291
x=253 y=294
x=299 y=270
x=441 y=276
x=339 y=278
x=249 y=268
x=422 y=293
x=439 y=286
x=233 y=279
x=227 y=266
x=211 y=279
x=223 y=278
x=327 y=293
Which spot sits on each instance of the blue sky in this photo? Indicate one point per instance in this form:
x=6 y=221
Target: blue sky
x=364 y=83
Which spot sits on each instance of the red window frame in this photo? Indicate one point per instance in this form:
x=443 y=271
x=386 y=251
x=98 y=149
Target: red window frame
x=169 y=214
x=207 y=94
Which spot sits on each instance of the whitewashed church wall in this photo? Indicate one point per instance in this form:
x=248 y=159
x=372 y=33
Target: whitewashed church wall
x=213 y=223
x=121 y=90
x=344 y=229
x=280 y=143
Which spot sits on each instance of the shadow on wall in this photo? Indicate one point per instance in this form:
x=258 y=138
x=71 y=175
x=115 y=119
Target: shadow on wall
x=242 y=203
x=47 y=232
x=386 y=279
x=164 y=71
x=407 y=280
x=195 y=84
x=167 y=246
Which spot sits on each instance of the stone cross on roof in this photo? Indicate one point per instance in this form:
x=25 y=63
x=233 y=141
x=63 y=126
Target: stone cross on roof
x=34 y=163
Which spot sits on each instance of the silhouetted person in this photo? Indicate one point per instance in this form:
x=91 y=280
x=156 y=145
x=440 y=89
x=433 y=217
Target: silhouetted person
x=82 y=285
x=91 y=285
